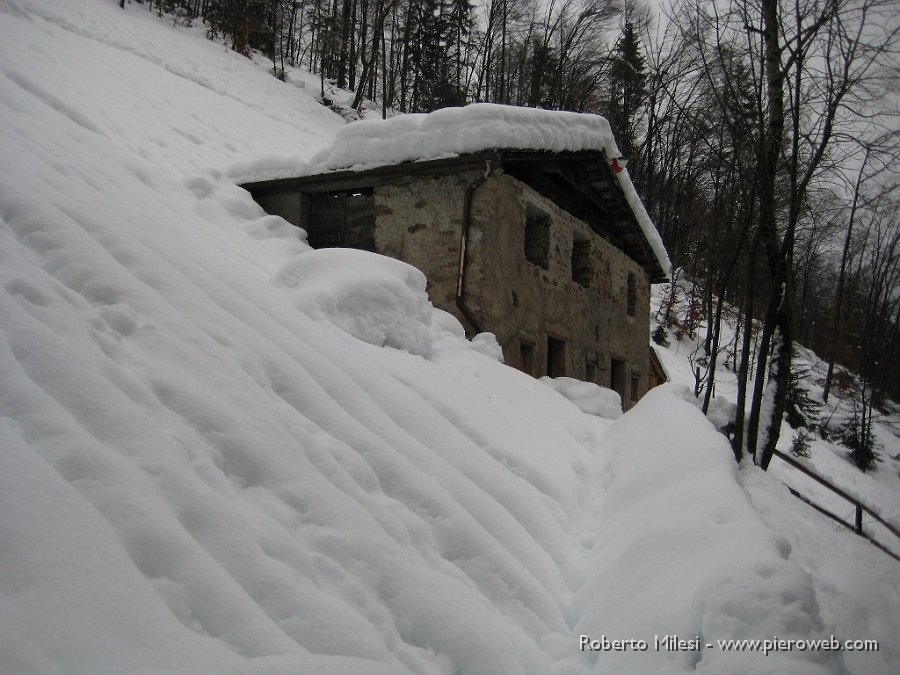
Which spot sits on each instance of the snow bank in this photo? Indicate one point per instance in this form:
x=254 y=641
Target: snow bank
x=211 y=107
x=202 y=473
x=673 y=504
x=587 y=396
x=458 y=131
x=857 y=605
x=377 y=299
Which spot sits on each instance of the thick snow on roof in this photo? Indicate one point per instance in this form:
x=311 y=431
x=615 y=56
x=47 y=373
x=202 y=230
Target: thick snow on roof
x=460 y=131
x=481 y=126
x=451 y=132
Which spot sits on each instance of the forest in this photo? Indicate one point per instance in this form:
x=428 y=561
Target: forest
x=762 y=135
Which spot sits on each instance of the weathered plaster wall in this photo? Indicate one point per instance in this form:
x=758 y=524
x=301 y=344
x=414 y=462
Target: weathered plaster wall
x=420 y=219
x=593 y=321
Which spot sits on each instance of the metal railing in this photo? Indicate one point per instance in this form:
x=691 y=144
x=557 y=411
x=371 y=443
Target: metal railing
x=857 y=525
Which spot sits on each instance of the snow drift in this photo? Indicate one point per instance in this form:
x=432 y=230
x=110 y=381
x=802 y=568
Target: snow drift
x=216 y=459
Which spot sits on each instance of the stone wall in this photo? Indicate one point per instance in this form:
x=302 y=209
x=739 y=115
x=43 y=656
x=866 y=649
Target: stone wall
x=419 y=220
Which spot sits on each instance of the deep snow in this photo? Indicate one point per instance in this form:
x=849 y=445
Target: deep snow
x=223 y=452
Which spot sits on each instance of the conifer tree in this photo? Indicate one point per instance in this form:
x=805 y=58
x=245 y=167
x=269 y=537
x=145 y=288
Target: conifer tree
x=435 y=85
x=628 y=88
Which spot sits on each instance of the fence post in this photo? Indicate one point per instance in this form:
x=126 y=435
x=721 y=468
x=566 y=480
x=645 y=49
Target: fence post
x=858 y=518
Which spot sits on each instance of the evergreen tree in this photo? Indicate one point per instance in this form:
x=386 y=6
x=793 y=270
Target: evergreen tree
x=856 y=434
x=542 y=64
x=434 y=86
x=244 y=21
x=800 y=444
x=461 y=26
x=801 y=411
x=660 y=336
x=628 y=88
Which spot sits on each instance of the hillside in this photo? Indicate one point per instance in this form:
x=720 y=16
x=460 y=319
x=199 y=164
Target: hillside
x=224 y=452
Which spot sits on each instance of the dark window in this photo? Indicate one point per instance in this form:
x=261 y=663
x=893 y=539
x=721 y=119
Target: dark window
x=635 y=387
x=582 y=272
x=537 y=237
x=617 y=379
x=526 y=360
x=590 y=367
x=631 y=297
x=556 y=357
x=342 y=219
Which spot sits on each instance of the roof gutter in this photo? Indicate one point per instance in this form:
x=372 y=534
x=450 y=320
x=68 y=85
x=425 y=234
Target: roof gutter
x=463 y=245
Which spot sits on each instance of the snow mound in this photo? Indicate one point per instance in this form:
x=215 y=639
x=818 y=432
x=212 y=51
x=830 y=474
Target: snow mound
x=721 y=413
x=588 y=397
x=674 y=503
x=377 y=299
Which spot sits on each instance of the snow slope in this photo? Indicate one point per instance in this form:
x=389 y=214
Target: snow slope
x=222 y=452
x=857 y=586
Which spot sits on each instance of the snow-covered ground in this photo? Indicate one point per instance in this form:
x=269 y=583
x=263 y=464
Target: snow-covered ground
x=856 y=584
x=222 y=452
x=879 y=488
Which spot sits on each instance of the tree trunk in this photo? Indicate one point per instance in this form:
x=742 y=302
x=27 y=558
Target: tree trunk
x=765 y=421
x=836 y=325
x=343 y=56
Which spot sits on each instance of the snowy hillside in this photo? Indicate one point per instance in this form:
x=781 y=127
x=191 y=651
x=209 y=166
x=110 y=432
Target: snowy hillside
x=856 y=584
x=222 y=452
x=879 y=488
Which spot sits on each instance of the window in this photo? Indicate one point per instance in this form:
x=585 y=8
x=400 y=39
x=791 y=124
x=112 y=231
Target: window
x=582 y=272
x=635 y=387
x=556 y=357
x=617 y=380
x=344 y=219
x=631 y=294
x=526 y=357
x=537 y=237
x=590 y=367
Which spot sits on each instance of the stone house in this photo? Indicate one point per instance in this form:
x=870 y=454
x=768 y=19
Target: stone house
x=540 y=247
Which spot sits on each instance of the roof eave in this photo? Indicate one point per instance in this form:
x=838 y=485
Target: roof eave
x=520 y=163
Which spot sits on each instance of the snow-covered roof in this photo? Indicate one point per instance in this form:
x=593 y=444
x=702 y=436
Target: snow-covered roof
x=460 y=131
x=454 y=132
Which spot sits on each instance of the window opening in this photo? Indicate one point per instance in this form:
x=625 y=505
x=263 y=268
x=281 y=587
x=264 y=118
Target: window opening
x=556 y=357
x=342 y=219
x=617 y=380
x=526 y=357
x=537 y=237
x=582 y=272
x=632 y=294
